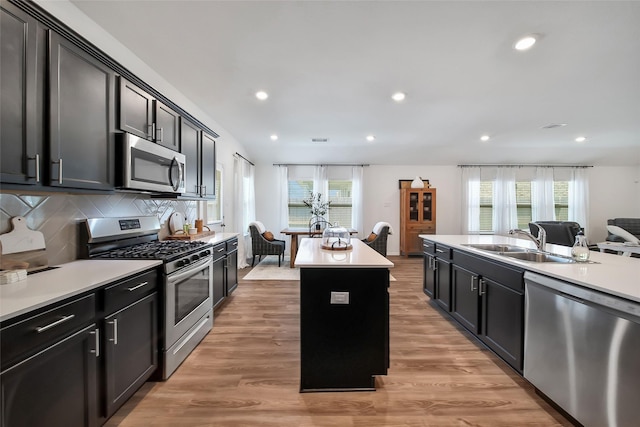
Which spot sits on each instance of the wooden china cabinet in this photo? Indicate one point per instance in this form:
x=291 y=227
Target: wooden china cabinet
x=417 y=216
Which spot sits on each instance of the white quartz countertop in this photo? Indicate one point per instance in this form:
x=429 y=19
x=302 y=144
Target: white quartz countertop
x=612 y=274
x=219 y=237
x=311 y=255
x=73 y=278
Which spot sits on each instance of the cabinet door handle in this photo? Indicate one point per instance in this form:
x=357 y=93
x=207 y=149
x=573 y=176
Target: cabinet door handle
x=203 y=190
x=161 y=135
x=150 y=131
x=59 y=163
x=153 y=131
x=115 y=331
x=482 y=288
x=37 y=159
x=138 y=286
x=473 y=280
x=96 y=334
x=41 y=329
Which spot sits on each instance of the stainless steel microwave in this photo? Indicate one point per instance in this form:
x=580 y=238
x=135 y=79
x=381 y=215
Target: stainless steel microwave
x=147 y=166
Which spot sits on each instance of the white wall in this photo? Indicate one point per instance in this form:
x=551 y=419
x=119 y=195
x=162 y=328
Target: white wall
x=614 y=192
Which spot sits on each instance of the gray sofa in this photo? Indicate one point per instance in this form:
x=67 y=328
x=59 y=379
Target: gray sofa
x=632 y=225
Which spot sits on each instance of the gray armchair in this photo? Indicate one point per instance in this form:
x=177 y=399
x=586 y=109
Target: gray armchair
x=379 y=242
x=261 y=246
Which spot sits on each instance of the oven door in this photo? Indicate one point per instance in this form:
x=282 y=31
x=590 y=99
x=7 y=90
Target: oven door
x=149 y=166
x=188 y=298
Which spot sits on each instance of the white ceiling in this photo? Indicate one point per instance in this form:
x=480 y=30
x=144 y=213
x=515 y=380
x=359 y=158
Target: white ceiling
x=330 y=68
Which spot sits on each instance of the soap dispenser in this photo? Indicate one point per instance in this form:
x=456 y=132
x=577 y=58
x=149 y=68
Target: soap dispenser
x=580 y=249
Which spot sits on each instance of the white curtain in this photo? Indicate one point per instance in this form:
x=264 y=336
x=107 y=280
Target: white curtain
x=579 y=198
x=505 y=212
x=357 y=214
x=542 y=200
x=283 y=197
x=320 y=182
x=244 y=206
x=470 y=200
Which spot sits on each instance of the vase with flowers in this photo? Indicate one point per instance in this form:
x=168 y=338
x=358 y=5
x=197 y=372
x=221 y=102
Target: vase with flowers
x=317 y=207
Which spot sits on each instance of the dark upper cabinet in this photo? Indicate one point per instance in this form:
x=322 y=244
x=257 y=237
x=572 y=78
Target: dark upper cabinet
x=144 y=116
x=136 y=110
x=207 y=166
x=189 y=146
x=22 y=78
x=81 y=108
x=200 y=151
x=167 y=126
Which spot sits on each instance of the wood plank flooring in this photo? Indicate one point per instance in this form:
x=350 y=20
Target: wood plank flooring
x=246 y=371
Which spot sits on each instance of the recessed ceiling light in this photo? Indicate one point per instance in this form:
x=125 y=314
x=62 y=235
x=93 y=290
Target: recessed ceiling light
x=371 y=138
x=554 y=125
x=485 y=138
x=525 y=43
x=274 y=137
x=581 y=139
x=262 y=95
x=398 y=96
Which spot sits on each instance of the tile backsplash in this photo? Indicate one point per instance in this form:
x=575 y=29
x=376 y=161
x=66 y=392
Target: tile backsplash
x=58 y=216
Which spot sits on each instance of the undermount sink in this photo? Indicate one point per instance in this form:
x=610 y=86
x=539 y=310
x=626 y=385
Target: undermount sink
x=520 y=253
x=539 y=257
x=494 y=247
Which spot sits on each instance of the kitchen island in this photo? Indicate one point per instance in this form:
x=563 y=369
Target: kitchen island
x=344 y=317
x=572 y=329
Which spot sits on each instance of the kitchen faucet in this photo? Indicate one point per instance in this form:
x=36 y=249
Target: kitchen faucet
x=540 y=241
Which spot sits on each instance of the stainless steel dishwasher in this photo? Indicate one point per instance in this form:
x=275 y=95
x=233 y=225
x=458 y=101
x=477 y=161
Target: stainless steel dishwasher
x=582 y=350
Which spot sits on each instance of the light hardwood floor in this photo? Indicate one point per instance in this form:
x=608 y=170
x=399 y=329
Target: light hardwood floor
x=246 y=371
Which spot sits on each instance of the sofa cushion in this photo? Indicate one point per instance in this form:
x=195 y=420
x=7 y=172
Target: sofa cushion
x=631 y=225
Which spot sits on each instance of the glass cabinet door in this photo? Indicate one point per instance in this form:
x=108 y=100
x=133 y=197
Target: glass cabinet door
x=427 y=211
x=414 y=209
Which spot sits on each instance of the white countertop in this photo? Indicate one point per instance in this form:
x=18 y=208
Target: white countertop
x=311 y=255
x=73 y=278
x=613 y=274
x=218 y=238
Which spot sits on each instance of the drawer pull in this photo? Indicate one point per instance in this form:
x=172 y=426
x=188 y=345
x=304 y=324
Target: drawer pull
x=41 y=329
x=440 y=251
x=220 y=250
x=138 y=286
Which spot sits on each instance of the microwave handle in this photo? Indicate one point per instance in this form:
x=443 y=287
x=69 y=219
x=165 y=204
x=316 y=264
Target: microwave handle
x=180 y=174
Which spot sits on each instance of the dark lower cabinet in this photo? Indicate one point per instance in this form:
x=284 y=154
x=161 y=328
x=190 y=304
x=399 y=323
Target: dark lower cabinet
x=503 y=321
x=231 y=266
x=54 y=387
x=465 y=306
x=219 y=291
x=429 y=278
x=81 y=108
x=443 y=283
x=131 y=350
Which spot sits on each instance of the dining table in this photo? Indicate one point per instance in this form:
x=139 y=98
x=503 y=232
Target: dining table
x=295 y=232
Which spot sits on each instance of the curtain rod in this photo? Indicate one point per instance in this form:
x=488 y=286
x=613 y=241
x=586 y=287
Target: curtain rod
x=524 y=166
x=316 y=164
x=243 y=157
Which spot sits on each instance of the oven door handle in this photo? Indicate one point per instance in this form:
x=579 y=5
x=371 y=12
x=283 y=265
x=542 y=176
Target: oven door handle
x=200 y=265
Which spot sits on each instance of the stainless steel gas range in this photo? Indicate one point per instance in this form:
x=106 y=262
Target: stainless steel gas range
x=187 y=289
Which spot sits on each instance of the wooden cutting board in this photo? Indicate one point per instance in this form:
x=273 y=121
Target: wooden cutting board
x=22 y=248
x=183 y=236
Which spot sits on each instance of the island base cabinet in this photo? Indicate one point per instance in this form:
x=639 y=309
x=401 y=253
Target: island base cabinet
x=502 y=327
x=465 y=298
x=56 y=387
x=344 y=328
x=443 y=283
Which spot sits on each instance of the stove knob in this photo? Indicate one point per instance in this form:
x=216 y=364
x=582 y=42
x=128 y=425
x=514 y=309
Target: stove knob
x=183 y=262
x=205 y=253
x=195 y=257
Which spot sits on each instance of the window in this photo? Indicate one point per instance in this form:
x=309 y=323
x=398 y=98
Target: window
x=298 y=213
x=214 y=213
x=340 y=196
x=523 y=203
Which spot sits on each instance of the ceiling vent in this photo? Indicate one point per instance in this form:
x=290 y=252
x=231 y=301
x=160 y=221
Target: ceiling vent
x=554 y=125
x=319 y=140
